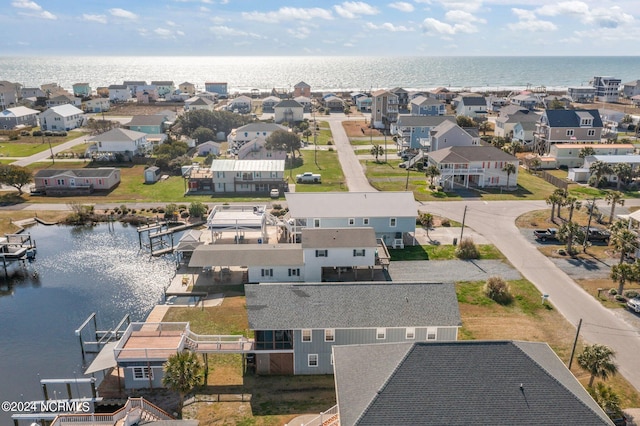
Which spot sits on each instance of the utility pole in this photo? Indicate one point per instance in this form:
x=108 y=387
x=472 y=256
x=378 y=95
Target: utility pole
x=575 y=342
x=53 y=158
x=585 y=243
x=315 y=138
x=464 y=216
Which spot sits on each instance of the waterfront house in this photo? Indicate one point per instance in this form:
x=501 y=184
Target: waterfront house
x=364 y=103
x=128 y=143
x=302 y=89
x=473 y=166
x=187 y=87
x=28 y=92
x=132 y=86
x=505 y=123
x=427 y=106
x=81 y=90
x=247 y=176
x=525 y=100
x=119 y=93
x=149 y=124
x=241 y=105
x=63 y=99
x=414 y=131
x=391 y=214
x=403 y=98
x=441 y=94
x=631 y=89
x=553 y=101
x=8 y=94
x=447 y=134
x=334 y=103
x=20 y=116
x=305 y=102
x=472 y=107
x=147 y=93
x=557 y=126
x=269 y=102
x=607 y=88
x=249 y=132
x=198 y=103
x=523 y=133
x=63 y=117
x=218 y=88
x=582 y=94
x=164 y=87
x=256 y=150
x=297 y=325
x=384 y=109
x=288 y=111
x=96 y=105
x=209 y=148
x=461 y=383
x=66 y=182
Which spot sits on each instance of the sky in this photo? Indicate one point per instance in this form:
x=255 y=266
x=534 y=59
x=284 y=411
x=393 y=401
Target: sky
x=320 y=28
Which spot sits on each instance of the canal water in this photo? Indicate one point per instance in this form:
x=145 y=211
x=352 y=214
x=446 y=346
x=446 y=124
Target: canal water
x=78 y=270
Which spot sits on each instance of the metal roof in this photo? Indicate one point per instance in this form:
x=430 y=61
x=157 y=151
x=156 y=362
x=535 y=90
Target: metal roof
x=351 y=305
x=247 y=166
x=118 y=135
x=338 y=237
x=466 y=154
x=243 y=255
x=351 y=204
x=66 y=110
x=19 y=111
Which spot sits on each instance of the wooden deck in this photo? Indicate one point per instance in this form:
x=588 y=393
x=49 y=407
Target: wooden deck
x=146 y=344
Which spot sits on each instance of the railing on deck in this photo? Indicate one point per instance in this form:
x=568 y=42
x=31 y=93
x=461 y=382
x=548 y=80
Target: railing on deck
x=111 y=419
x=326 y=418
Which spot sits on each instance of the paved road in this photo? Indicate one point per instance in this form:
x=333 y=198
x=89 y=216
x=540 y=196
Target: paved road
x=496 y=221
x=46 y=154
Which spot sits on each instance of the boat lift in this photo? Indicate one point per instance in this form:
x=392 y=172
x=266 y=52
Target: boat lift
x=102 y=337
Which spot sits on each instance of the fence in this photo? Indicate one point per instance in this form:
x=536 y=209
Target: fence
x=554 y=180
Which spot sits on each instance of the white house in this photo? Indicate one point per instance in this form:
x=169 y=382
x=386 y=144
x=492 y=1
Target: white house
x=447 y=134
x=257 y=150
x=247 y=176
x=209 y=147
x=472 y=106
x=63 y=117
x=122 y=141
x=249 y=132
x=197 y=103
x=96 y=105
x=19 y=116
x=119 y=93
x=288 y=111
x=305 y=102
x=241 y=104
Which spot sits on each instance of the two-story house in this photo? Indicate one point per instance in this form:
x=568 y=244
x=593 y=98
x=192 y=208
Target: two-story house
x=247 y=176
x=472 y=106
x=147 y=93
x=119 y=93
x=269 y=102
x=474 y=166
x=364 y=103
x=567 y=126
x=198 y=103
x=297 y=325
x=305 y=102
x=302 y=89
x=187 y=87
x=384 y=109
x=132 y=86
x=81 y=90
x=334 y=103
x=220 y=88
x=288 y=111
x=422 y=105
x=241 y=105
x=11 y=118
x=525 y=100
x=96 y=105
x=63 y=117
x=505 y=123
x=607 y=88
x=403 y=98
x=63 y=99
x=631 y=89
x=149 y=124
x=523 y=132
x=249 y=132
x=448 y=134
x=257 y=150
x=8 y=94
x=391 y=214
x=128 y=143
x=164 y=87
x=414 y=131
x=582 y=94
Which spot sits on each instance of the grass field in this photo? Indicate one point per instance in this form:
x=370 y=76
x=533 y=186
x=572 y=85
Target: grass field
x=328 y=166
x=441 y=252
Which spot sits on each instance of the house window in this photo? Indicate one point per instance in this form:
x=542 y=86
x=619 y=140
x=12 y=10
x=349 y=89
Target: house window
x=329 y=335
x=410 y=333
x=392 y=222
x=352 y=221
x=142 y=373
x=312 y=360
x=295 y=272
x=60 y=181
x=591 y=132
x=306 y=335
x=365 y=221
x=322 y=253
x=570 y=132
x=316 y=223
x=358 y=252
x=381 y=333
x=432 y=333
x=266 y=272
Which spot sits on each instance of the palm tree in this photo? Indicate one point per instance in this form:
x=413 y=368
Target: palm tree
x=606 y=398
x=623 y=172
x=554 y=200
x=509 y=169
x=573 y=203
x=622 y=239
x=586 y=151
x=613 y=198
x=599 y=169
x=623 y=273
x=569 y=232
x=598 y=360
x=562 y=195
x=515 y=147
x=432 y=172
x=182 y=373
x=426 y=220
x=377 y=150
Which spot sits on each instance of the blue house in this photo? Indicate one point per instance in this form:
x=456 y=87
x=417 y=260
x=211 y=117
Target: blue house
x=296 y=325
x=422 y=105
x=414 y=131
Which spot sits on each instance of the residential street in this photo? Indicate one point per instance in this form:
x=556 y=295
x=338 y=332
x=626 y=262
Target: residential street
x=46 y=154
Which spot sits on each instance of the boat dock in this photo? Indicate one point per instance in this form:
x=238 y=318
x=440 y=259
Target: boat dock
x=16 y=248
x=159 y=236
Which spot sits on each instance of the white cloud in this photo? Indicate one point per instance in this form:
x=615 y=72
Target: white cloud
x=529 y=22
x=288 y=14
x=564 y=8
x=299 y=33
x=163 y=32
x=402 y=6
x=171 y=23
x=26 y=4
x=462 y=17
x=388 y=27
x=467 y=5
x=524 y=14
x=609 y=17
x=204 y=9
x=121 y=13
x=102 y=19
x=218 y=20
x=48 y=15
x=459 y=21
x=351 y=9
x=223 y=30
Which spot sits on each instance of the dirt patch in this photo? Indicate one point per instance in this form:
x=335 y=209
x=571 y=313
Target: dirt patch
x=356 y=129
x=132 y=108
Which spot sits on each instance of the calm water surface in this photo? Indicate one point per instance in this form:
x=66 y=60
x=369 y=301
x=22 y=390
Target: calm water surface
x=80 y=271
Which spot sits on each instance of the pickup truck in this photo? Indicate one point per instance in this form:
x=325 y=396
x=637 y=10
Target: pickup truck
x=597 y=234
x=308 y=177
x=546 y=234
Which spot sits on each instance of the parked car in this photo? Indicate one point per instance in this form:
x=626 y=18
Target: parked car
x=275 y=193
x=545 y=234
x=634 y=304
x=596 y=234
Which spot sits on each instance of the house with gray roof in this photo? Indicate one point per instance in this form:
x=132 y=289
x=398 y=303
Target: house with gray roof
x=120 y=93
x=448 y=134
x=567 y=126
x=391 y=214
x=631 y=89
x=249 y=132
x=195 y=103
x=302 y=89
x=459 y=383
x=149 y=124
x=472 y=106
x=422 y=105
x=297 y=325
x=414 y=131
x=505 y=123
x=581 y=94
x=523 y=132
x=269 y=102
x=18 y=116
x=257 y=150
x=248 y=176
x=75 y=181
x=121 y=141
x=63 y=117
x=288 y=111
x=473 y=166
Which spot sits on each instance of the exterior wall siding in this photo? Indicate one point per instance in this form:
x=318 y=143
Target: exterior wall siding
x=381 y=225
x=280 y=274
x=131 y=383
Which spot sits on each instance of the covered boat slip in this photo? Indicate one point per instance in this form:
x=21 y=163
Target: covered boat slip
x=238 y=220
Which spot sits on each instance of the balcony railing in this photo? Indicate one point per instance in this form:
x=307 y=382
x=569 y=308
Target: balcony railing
x=249 y=179
x=326 y=418
x=462 y=171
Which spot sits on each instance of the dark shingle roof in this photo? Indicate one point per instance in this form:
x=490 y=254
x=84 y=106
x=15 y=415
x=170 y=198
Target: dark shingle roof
x=338 y=237
x=351 y=305
x=424 y=120
x=146 y=120
x=459 y=383
x=571 y=117
x=288 y=103
x=465 y=154
x=474 y=100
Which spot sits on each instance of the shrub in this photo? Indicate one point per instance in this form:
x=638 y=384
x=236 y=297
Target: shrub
x=613 y=291
x=445 y=222
x=498 y=290
x=631 y=294
x=277 y=206
x=330 y=149
x=467 y=249
x=620 y=298
x=184 y=214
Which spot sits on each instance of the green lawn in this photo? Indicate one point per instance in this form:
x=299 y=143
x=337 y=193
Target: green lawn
x=328 y=167
x=441 y=252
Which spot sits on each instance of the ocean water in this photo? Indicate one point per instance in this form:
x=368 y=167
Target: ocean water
x=323 y=73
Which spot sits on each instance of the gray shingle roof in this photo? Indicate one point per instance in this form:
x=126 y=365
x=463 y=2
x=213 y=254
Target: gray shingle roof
x=474 y=101
x=288 y=103
x=571 y=117
x=146 y=120
x=351 y=305
x=460 y=383
x=424 y=120
x=351 y=204
x=466 y=154
x=338 y=237
x=118 y=135
x=81 y=173
x=241 y=254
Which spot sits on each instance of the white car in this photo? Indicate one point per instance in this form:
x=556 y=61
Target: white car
x=634 y=304
x=275 y=193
